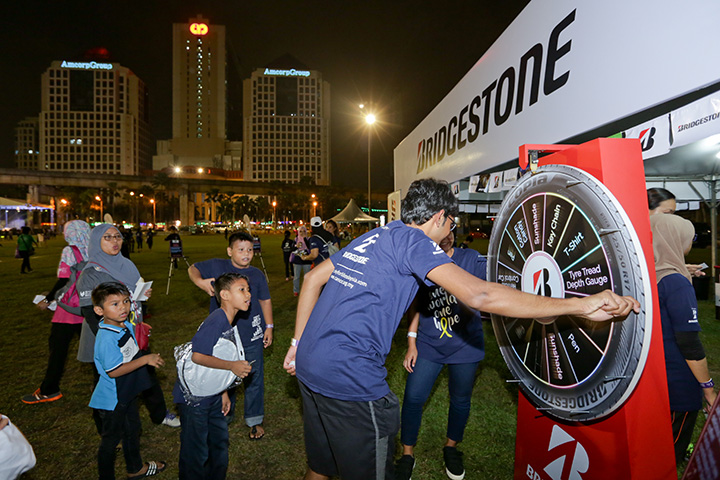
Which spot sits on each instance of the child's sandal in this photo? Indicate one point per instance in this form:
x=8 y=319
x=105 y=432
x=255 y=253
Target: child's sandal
x=153 y=468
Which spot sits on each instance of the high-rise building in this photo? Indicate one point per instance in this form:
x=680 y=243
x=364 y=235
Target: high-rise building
x=286 y=124
x=94 y=118
x=27 y=150
x=199 y=100
x=199 y=80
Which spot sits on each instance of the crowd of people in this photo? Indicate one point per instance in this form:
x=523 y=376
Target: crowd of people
x=348 y=309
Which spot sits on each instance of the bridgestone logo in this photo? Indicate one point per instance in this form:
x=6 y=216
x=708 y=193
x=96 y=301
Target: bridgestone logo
x=585 y=400
x=698 y=122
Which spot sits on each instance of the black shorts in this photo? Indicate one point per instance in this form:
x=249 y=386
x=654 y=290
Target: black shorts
x=354 y=440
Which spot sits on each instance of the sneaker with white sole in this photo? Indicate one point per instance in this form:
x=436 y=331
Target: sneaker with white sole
x=171 y=420
x=404 y=467
x=453 y=463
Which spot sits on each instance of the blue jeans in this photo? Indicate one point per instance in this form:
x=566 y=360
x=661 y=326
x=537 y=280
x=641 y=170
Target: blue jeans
x=204 y=442
x=298 y=270
x=418 y=387
x=254 y=387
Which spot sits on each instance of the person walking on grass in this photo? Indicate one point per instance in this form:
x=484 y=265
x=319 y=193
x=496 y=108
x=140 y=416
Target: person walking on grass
x=25 y=248
x=255 y=326
x=287 y=247
x=123 y=376
x=300 y=266
x=349 y=308
x=65 y=325
x=442 y=332
x=204 y=438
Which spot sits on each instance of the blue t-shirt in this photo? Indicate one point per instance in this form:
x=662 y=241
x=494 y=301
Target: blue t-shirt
x=678 y=313
x=250 y=324
x=113 y=347
x=349 y=333
x=317 y=242
x=450 y=332
x=204 y=341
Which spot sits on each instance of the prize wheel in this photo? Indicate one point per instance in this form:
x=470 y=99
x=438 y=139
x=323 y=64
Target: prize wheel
x=561 y=233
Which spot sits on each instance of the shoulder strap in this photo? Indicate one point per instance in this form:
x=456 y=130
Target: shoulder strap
x=78 y=256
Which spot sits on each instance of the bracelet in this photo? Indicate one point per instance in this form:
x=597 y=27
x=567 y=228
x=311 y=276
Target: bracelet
x=269 y=325
x=708 y=384
x=294 y=342
x=412 y=334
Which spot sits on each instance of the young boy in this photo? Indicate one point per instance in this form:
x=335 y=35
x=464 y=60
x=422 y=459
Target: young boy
x=255 y=327
x=122 y=377
x=204 y=438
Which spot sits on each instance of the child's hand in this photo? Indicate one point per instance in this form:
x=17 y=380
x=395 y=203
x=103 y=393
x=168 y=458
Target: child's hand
x=206 y=285
x=154 y=360
x=268 y=337
x=241 y=368
x=225 y=403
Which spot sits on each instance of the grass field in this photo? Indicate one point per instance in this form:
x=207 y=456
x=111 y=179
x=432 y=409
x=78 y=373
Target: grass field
x=63 y=434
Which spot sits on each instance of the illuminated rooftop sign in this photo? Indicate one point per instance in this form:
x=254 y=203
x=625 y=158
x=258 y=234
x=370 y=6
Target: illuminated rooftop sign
x=87 y=65
x=199 y=29
x=287 y=73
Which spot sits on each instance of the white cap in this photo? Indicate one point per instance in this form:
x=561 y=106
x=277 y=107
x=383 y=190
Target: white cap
x=316 y=222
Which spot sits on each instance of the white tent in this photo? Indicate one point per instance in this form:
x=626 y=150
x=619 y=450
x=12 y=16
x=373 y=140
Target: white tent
x=352 y=214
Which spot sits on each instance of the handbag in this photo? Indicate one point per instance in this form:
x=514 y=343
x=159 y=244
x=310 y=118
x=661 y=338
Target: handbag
x=142 y=335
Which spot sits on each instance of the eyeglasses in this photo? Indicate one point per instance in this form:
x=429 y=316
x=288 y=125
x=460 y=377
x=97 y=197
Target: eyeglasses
x=110 y=238
x=452 y=223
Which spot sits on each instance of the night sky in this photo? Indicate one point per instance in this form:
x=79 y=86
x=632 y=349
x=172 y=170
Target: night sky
x=401 y=56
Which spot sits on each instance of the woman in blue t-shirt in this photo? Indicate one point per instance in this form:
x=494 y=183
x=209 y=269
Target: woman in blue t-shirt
x=442 y=332
x=688 y=377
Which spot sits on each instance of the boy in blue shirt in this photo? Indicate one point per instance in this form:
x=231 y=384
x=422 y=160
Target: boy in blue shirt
x=255 y=327
x=123 y=376
x=204 y=439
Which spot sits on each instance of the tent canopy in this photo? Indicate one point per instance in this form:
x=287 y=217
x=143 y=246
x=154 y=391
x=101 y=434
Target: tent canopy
x=352 y=214
x=11 y=204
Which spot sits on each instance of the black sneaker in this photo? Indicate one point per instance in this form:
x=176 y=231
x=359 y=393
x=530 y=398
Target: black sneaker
x=453 y=463
x=404 y=467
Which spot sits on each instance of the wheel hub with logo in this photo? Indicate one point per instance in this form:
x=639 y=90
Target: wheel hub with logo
x=561 y=233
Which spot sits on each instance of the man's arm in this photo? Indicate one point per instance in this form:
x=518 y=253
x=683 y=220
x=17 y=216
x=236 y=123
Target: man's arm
x=313 y=284
x=204 y=284
x=312 y=255
x=266 y=307
x=499 y=299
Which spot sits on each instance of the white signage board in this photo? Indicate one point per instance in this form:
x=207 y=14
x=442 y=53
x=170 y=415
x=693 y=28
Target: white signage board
x=696 y=121
x=560 y=69
x=654 y=136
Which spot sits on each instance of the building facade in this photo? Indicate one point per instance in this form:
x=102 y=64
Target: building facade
x=94 y=119
x=286 y=124
x=199 y=101
x=27 y=144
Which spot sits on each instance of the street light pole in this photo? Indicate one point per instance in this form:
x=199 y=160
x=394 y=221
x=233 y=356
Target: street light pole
x=152 y=200
x=97 y=197
x=370 y=120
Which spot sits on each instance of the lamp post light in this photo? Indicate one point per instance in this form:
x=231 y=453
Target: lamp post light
x=370 y=120
x=274 y=204
x=99 y=199
x=152 y=200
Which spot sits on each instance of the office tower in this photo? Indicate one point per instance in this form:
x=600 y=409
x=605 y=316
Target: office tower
x=286 y=124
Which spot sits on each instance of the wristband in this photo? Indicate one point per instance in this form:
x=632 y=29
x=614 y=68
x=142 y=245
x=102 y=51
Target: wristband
x=294 y=342
x=708 y=384
x=412 y=334
x=269 y=325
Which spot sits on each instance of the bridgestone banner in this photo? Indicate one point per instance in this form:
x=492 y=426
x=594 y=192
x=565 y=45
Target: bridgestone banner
x=560 y=69
x=696 y=121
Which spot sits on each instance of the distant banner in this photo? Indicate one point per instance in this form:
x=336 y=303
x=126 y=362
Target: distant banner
x=394 y=200
x=654 y=136
x=455 y=188
x=495 y=183
x=479 y=183
x=510 y=177
x=696 y=121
